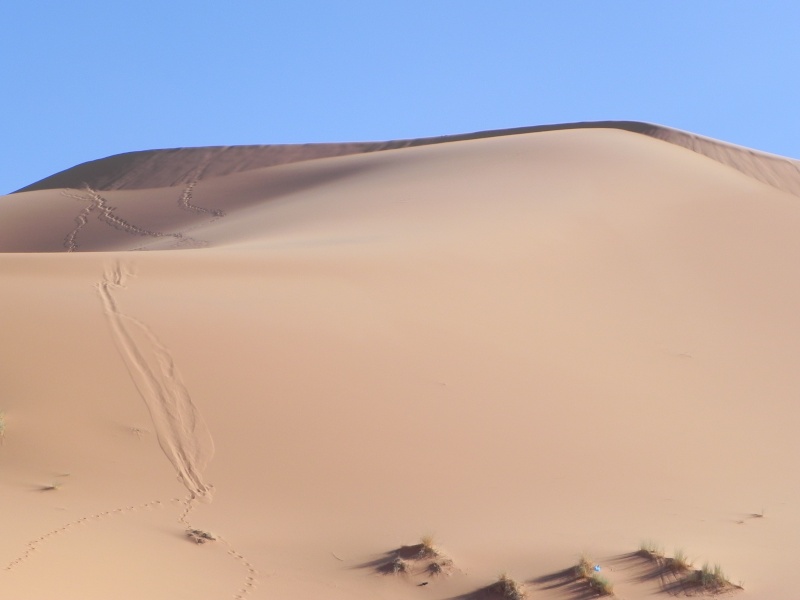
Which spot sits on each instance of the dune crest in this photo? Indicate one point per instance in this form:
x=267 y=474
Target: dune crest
x=178 y=166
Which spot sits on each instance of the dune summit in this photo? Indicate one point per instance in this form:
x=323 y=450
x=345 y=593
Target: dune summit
x=399 y=369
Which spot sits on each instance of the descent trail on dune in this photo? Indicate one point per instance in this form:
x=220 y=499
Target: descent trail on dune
x=180 y=429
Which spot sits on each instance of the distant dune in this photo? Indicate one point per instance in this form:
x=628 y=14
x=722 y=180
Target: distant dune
x=398 y=369
x=165 y=168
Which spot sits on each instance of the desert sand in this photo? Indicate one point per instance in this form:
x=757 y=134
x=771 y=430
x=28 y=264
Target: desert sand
x=530 y=345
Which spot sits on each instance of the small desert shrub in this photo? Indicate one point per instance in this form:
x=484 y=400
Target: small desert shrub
x=601 y=585
x=398 y=566
x=427 y=547
x=440 y=567
x=198 y=536
x=679 y=562
x=651 y=550
x=583 y=569
x=508 y=588
x=710 y=578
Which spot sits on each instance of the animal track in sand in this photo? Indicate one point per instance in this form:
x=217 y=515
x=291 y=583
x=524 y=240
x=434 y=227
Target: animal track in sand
x=105 y=213
x=179 y=427
x=185 y=201
x=250 y=580
x=34 y=545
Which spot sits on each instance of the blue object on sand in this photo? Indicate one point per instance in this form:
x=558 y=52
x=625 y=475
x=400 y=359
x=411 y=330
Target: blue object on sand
x=597 y=568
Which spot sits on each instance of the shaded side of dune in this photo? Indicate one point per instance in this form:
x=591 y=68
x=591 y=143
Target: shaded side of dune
x=177 y=166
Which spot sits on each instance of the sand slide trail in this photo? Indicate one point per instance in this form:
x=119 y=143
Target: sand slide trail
x=180 y=429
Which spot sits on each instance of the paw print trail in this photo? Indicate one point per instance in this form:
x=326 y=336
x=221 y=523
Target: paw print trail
x=34 y=545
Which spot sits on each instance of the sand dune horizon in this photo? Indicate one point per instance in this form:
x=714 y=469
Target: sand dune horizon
x=523 y=346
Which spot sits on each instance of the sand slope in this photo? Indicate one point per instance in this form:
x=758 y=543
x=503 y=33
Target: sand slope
x=529 y=346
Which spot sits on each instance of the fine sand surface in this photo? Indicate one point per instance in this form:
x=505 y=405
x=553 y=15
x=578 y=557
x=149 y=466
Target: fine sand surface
x=529 y=344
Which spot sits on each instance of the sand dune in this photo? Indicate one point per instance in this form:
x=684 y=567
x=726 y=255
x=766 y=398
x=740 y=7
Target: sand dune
x=177 y=166
x=529 y=344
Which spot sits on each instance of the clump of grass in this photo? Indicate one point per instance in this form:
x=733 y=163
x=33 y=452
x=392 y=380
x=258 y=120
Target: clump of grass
x=427 y=547
x=441 y=566
x=399 y=566
x=711 y=579
x=650 y=550
x=51 y=487
x=509 y=588
x=198 y=536
x=583 y=570
x=601 y=585
x=679 y=562
x=2 y=427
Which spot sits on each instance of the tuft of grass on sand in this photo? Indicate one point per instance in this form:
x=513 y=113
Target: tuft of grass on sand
x=509 y=588
x=427 y=547
x=679 y=562
x=601 y=585
x=651 y=550
x=399 y=566
x=583 y=570
x=51 y=487
x=440 y=566
x=198 y=536
x=711 y=579
x=2 y=427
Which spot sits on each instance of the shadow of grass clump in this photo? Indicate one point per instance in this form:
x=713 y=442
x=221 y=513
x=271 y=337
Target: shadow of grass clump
x=706 y=580
x=579 y=582
x=423 y=557
x=675 y=573
x=505 y=588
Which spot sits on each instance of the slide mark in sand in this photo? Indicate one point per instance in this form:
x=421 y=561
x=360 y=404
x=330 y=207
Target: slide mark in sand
x=180 y=429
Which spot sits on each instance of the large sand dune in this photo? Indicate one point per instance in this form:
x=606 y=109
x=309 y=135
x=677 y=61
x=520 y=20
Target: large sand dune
x=530 y=344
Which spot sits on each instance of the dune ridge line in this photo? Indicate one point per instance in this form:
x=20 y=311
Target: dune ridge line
x=180 y=429
x=176 y=166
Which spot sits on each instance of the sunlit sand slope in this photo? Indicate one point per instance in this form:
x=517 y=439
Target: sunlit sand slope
x=529 y=346
x=164 y=168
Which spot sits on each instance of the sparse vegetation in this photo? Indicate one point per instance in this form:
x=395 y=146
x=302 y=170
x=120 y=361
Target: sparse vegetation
x=399 y=566
x=650 y=550
x=427 y=547
x=198 y=536
x=441 y=566
x=2 y=427
x=583 y=570
x=508 y=588
x=601 y=585
x=712 y=578
x=679 y=562
x=55 y=485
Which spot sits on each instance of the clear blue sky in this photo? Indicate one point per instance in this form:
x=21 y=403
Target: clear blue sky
x=83 y=79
